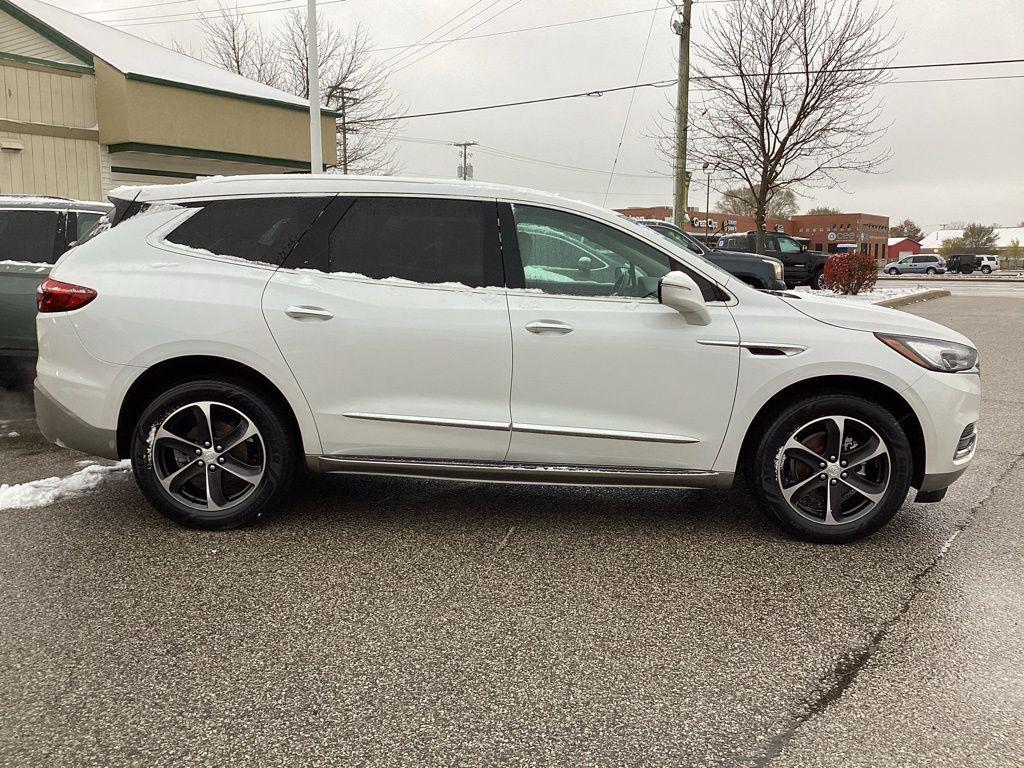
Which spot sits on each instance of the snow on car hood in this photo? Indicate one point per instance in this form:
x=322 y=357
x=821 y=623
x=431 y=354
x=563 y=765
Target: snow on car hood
x=871 y=318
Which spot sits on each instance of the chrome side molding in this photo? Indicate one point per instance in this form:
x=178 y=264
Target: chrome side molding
x=757 y=347
x=542 y=474
x=612 y=434
x=432 y=421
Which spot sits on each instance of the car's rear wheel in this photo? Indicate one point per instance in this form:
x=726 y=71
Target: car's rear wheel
x=986 y=270
x=930 y=271
x=893 y=271
x=831 y=468
x=213 y=454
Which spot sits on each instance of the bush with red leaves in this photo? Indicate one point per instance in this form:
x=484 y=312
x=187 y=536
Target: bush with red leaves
x=851 y=273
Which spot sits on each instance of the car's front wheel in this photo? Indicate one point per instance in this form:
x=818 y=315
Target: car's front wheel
x=893 y=271
x=213 y=454
x=831 y=468
x=818 y=280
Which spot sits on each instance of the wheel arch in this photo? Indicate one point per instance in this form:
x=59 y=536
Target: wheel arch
x=885 y=396
x=176 y=370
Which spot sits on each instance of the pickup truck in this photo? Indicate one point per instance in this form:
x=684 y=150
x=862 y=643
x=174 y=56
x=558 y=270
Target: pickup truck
x=763 y=272
x=34 y=232
x=802 y=267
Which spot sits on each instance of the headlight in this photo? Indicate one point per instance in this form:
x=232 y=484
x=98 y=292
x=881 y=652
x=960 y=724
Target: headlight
x=776 y=267
x=935 y=355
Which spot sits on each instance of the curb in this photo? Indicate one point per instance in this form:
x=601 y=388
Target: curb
x=943 y=278
x=913 y=298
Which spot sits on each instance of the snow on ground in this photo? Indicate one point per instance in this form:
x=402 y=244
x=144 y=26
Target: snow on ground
x=39 y=493
x=867 y=297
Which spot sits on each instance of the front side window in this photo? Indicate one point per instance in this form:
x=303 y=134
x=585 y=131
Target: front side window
x=787 y=245
x=423 y=240
x=262 y=230
x=679 y=239
x=27 y=235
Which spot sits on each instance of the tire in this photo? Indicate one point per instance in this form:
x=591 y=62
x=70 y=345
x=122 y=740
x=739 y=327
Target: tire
x=775 y=464
x=930 y=271
x=893 y=271
x=170 y=433
x=967 y=271
x=986 y=270
x=818 y=280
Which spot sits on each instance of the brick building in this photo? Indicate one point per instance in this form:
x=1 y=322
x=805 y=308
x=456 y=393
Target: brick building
x=864 y=232
x=867 y=232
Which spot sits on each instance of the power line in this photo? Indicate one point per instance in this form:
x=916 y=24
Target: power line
x=435 y=30
x=156 y=5
x=143 y=21
x=663 y=83
x=471 y=29
x=629 y=109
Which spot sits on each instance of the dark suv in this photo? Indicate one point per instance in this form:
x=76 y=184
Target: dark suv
x=762 y=272
x=803 y=267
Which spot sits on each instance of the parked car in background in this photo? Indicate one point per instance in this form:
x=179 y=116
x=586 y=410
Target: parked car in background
x=244 y=327
x=802 y=266
x=34 y=232
x=763 y=272
x=921 y=264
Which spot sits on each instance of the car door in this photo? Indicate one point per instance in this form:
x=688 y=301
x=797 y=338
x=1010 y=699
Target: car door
x=603 y=374
x=30 y=242
x=392 y=315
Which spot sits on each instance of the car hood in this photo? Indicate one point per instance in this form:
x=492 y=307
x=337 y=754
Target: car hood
x=868 y=317
x=743 y=255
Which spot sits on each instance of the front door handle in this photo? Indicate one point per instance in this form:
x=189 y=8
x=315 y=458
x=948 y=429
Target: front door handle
x=303 y=313
x=548 y=326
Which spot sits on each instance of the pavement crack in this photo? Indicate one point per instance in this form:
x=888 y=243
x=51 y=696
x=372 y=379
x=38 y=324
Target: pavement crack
x=841 y=677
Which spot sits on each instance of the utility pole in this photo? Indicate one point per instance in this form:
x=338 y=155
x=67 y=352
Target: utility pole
x=316 y=157
x=681 y=191
x=464 y=168
x=708 y=168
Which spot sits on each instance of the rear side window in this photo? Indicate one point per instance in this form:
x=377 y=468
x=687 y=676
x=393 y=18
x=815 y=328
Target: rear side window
x=27 y=235
x=424 y=240
x=260 y=230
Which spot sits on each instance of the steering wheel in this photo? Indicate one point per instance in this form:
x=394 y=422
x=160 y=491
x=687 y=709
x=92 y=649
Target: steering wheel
x=625 y=280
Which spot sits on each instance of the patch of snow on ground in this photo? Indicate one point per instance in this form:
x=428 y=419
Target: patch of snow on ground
x=40 y=493
x=867 y=297
x=13 y=434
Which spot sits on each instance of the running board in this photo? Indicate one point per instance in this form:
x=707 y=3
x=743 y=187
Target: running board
x=502 y=472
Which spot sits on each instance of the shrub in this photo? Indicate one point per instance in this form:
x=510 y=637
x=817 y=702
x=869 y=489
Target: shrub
x=851 y=273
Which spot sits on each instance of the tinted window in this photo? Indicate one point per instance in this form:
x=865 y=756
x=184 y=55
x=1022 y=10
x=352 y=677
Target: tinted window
x=29 y=235
x=787 y=245
x=420 y=239
x=261 y=230
x=679 y=239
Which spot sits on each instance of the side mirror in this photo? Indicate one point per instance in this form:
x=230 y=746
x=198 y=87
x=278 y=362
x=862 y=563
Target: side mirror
x=679 y=291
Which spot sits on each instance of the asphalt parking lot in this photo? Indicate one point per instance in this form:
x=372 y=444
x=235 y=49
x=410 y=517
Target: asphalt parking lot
x=386 y=622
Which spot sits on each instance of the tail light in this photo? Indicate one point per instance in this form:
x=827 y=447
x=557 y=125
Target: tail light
x=55 y=296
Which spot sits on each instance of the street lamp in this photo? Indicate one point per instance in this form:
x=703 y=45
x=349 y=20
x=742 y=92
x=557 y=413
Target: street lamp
x=708 y=168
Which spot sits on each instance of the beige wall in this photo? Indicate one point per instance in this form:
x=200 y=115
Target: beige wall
x=134 y=111
x=51 y=115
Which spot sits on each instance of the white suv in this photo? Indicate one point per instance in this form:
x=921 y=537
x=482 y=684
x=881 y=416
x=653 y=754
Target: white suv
x=225 y=333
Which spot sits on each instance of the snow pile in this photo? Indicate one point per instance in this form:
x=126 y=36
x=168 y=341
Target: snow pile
x=866 y=297
x=13 y=434
x=40 y=265
x=39 y=493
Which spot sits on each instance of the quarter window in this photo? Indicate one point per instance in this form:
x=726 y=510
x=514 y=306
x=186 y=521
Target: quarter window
x=262 y=230
x=425 y=240
x=27 y=235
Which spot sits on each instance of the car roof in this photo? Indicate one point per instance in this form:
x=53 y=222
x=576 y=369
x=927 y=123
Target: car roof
x=52 y=203
x=335 y=184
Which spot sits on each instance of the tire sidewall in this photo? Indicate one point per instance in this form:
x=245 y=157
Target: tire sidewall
x=894 y=271
x=818 y=280
x=763 y=469
x=278 y=448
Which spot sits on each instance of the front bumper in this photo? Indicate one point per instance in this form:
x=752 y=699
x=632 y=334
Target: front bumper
x=67 y=430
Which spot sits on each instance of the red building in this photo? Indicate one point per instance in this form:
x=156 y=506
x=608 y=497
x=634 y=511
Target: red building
x=901 y=246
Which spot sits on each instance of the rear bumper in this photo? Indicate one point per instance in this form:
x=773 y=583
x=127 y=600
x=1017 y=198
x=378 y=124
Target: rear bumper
x=67 y=430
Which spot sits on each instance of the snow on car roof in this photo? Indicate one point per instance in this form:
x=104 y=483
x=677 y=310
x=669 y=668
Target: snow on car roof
x=131 y=54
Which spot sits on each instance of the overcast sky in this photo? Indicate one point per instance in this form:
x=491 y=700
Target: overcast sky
x=958 y=148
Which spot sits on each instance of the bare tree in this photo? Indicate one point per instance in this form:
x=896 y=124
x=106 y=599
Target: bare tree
x=740 y=201
x=351 y=82
x=789 y=94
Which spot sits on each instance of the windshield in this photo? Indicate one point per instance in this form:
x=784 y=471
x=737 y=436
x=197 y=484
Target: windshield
x=710 y=269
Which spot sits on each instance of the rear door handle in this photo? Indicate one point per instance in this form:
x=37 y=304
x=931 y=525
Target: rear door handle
x=303 y=313
x=548 y=326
